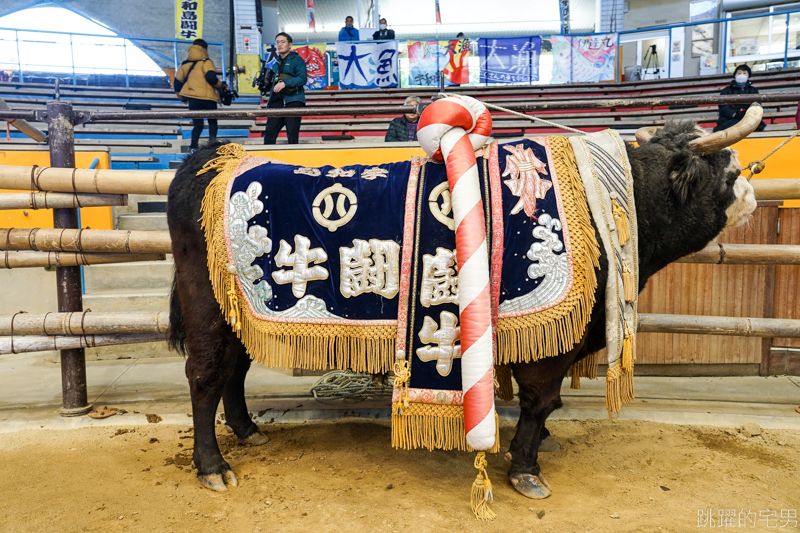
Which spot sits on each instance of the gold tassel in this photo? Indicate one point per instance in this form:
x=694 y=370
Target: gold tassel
x=234 y=315
x=482 y=491
x=504 y=388
x=621 y=220
x=402 y=375
x=628 y=349
x=576 y=380
x=627 y=283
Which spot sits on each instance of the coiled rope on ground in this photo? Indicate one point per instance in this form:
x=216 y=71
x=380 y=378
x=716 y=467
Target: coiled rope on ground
x=340 y=384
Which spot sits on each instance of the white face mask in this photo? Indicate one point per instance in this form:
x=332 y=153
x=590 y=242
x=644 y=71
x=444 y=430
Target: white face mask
x=741 y=79
x=383 y=26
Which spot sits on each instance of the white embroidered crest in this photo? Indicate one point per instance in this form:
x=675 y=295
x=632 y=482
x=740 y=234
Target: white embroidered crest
x=343 y=196
x=374 y=172
x=341 y=173
x=445 y=339
x=440 y=212
x=525 y=183
x=308 y=171
x=300 y=273
x=439 y=279
x=372 y=266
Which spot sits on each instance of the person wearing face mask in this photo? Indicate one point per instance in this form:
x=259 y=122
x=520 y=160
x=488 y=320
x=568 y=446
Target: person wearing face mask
x=730 y=115
x=404 y=129
x=287 y=90
x=348 y=32
x=383 y=34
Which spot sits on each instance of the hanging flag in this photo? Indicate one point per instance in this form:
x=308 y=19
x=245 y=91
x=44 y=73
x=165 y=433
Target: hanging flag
x=512 y=60
x=438 y=13
x=584 y=58
x=312 y=24
x=427 y=58
x=367 y=65
x=189 y=19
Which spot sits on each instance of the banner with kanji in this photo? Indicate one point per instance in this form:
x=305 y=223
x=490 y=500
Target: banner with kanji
x=584 y=58
x=367 y=65
x=314 y=57
x=189 y=19
x=513 y=60
x=427 y=58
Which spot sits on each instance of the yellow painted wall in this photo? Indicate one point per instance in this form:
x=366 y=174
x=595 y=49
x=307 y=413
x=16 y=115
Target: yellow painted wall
x=785 y=163
x=252 y=66
x=93 y=217
x=342 y=157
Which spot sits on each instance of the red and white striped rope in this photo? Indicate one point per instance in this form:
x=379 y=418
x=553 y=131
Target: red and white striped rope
x=452 y=129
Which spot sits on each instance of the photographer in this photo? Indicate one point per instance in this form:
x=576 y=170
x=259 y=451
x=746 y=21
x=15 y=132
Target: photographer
x=196 y=82
x=289 y=77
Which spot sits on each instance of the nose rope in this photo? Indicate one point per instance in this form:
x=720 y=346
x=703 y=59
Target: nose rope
x=755 y=167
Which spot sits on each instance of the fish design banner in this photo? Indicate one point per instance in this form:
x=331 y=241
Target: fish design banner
x=367 y=65
x=427 y=58
x=584 y=58
x=513 y=60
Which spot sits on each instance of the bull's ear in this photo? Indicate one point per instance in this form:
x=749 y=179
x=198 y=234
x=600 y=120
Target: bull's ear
x=683 y=169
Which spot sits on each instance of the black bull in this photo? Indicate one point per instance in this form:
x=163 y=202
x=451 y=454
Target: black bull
x=685 y=197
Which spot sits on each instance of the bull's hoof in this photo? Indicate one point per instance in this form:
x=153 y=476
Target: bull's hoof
x=534 y=487
x=256 y=439
x=213 y=482
x=549 y=444
x=217 y=482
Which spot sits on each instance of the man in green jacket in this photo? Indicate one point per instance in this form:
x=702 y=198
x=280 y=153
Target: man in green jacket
x=287 y=90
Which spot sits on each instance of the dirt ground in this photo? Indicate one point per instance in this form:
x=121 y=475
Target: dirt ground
x=344 y=476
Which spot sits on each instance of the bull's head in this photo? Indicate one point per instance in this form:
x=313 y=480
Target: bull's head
x=700 y=163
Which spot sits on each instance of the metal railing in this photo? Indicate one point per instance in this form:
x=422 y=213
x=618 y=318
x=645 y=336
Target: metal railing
x=122 y=42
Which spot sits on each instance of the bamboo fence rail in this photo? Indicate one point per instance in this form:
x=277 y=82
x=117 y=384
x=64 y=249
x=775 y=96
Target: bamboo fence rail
x=99 y=181
x=85 y=323
x=38 y=344
x=746 y=254
x=25 y=259
x=59 y=200
x=719 y=325
x=85 y=240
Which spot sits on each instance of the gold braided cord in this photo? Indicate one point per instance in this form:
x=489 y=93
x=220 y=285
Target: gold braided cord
x=758 y=165
x=277 y=344
x=556 y=330
x=433 y=427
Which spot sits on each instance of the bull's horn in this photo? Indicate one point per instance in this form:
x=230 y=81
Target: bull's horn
x=643 y=135
x=722 y=139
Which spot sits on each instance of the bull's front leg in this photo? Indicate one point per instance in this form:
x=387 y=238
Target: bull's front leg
x=539 y=395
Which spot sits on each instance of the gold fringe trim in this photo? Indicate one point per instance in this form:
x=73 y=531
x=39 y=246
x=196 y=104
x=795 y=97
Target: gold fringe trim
x=505 y=386
x=621 y=220
x=585 y=368
x=628 y=285
x=275 y=344
x=481 y=493
x=433 y=427
x=619 y=388
x=558 y=329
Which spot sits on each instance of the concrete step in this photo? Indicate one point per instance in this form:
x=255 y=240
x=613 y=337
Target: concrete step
x=129 y=300
x=133 y=203
x=143 y=222
x=128 y=277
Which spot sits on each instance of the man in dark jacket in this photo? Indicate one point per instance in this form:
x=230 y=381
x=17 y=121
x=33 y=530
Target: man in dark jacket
x=383 y=34
x=730 y=115
x=287 y=90
x=404 y=129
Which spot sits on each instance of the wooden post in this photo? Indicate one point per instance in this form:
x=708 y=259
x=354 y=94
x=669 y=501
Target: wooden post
x=60 y=123
x=773 y=213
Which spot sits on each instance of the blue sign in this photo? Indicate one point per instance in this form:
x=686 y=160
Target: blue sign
x=512 y=60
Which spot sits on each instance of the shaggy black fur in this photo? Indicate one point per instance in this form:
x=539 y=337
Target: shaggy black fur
x=681 y=199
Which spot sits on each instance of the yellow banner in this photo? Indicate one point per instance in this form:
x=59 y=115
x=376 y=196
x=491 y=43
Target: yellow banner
x=189 y=19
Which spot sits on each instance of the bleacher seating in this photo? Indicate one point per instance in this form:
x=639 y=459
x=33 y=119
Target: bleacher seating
x=154 y=143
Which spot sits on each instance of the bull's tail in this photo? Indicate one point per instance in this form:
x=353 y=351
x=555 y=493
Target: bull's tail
x=176 y=338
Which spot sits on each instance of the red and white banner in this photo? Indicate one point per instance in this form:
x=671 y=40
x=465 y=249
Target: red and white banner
x=312 y=24
x=438 y=13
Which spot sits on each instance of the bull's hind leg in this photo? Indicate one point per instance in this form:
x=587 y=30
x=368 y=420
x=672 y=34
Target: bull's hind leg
x=539 y=395
x=237 y=415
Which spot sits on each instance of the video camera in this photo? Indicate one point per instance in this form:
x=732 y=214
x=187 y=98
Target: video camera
x=265 y=79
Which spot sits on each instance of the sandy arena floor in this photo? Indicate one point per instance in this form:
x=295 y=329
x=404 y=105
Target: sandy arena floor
x=344 y=476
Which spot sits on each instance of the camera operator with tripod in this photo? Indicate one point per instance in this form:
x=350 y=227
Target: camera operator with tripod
x=284 y=84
